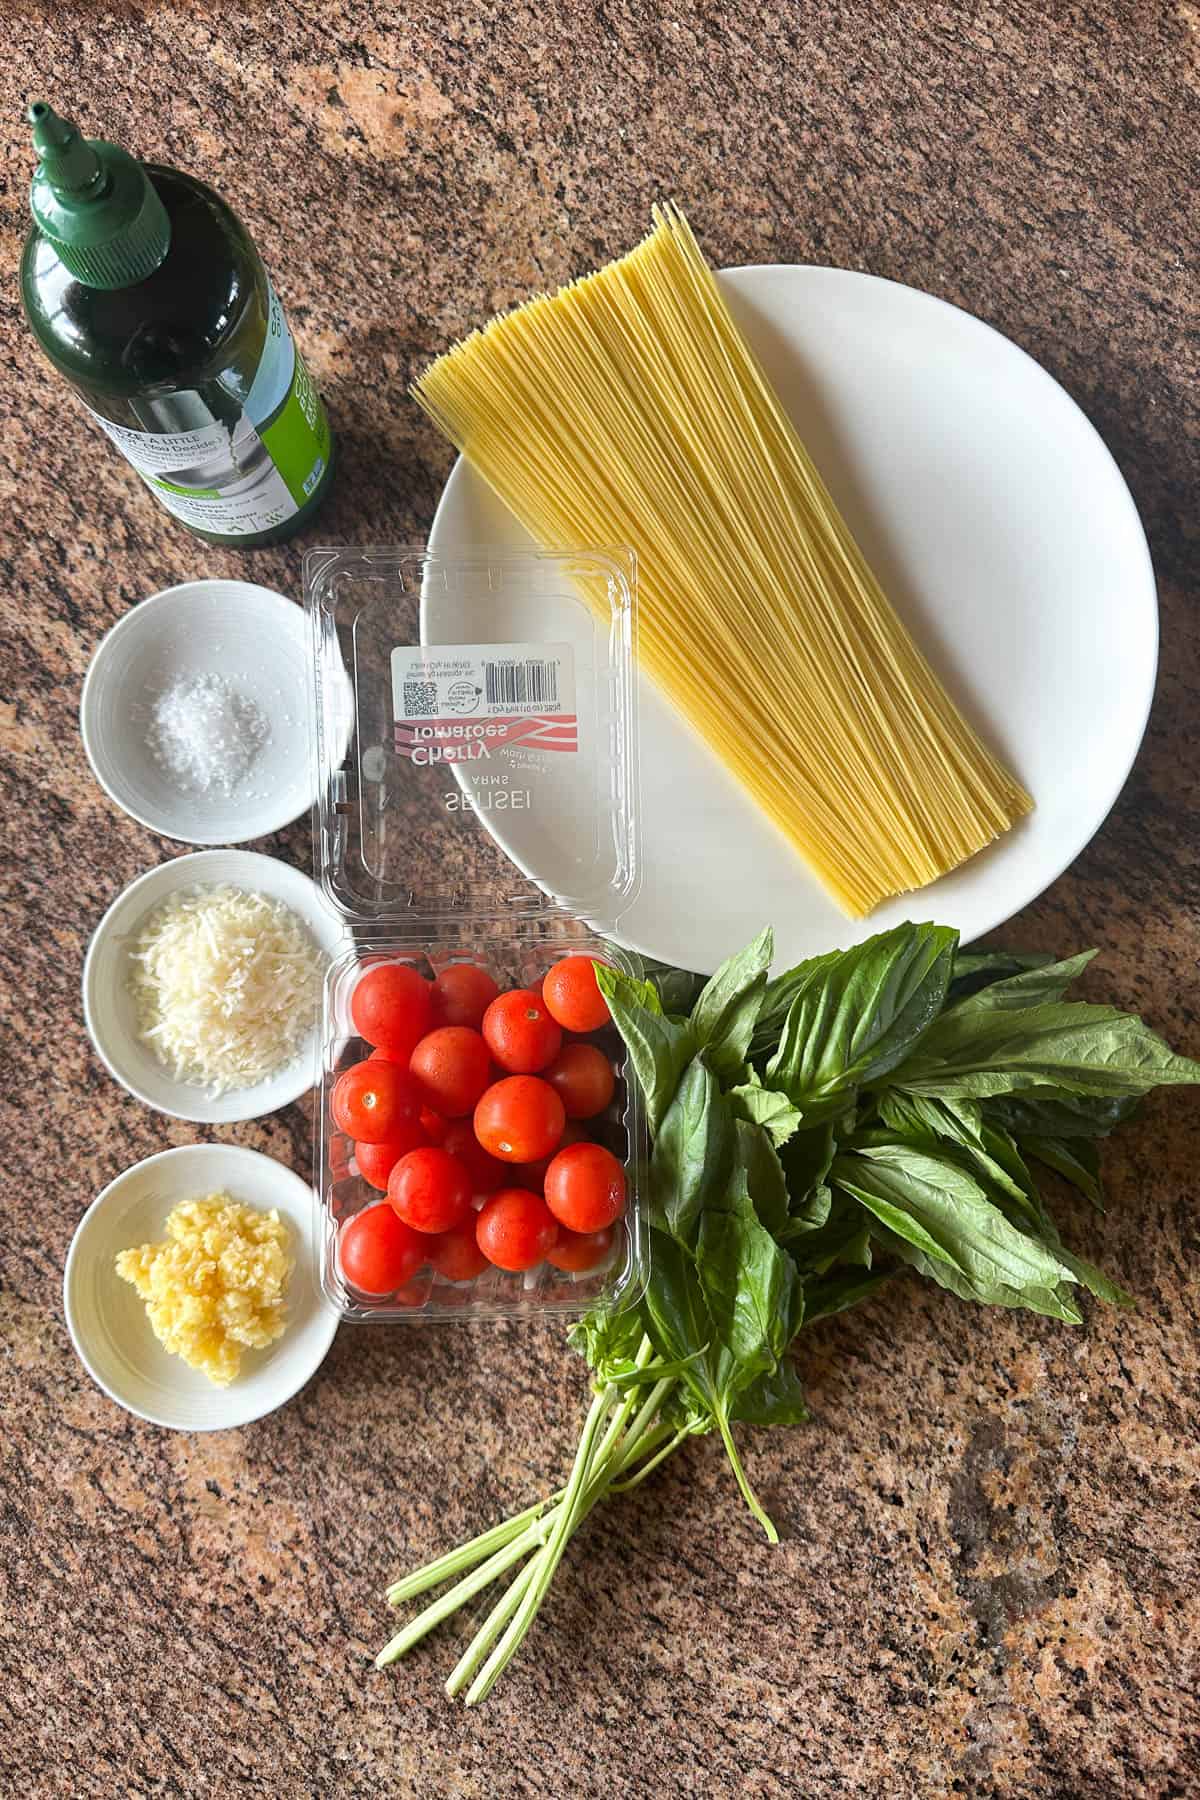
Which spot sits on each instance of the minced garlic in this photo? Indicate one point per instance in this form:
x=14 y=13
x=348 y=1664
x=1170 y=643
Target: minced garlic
x=217 y=1285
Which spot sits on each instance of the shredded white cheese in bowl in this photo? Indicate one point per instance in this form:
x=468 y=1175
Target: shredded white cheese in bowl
x=226 y=984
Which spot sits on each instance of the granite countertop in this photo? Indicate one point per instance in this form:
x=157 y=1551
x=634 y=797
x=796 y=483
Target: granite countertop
x=989 y=1576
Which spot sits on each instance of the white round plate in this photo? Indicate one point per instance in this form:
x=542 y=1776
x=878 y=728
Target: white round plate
x=259 y=642
x=107 y=1319
x=110 y=1014
x=1005 y=536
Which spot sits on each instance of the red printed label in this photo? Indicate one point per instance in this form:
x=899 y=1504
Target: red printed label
x=459 y=703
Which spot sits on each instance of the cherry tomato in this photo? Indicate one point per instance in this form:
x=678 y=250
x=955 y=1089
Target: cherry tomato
x=520 y=1119
x=376 y=1161
x=378 y=1252
x=515 y=1229
x=572 y=996
x=456 y=1254
x=462 y=994
x=579 y=1250
x=520 y=1033
x=486 y=1173
x=373 y=1100
x=452 y=1067
x=430 y=1189
x=582 y=1077
x=585 y=1187
x=533 y=1174
x=392 y=1007
x=434 y=1126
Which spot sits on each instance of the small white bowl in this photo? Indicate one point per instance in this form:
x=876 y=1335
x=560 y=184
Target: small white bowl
x=107 y=1319
x=108 y=1006
x=259 y=642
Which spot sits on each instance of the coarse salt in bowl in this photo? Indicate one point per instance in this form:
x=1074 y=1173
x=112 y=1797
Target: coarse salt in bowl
x=206 y=735
x=194 y=712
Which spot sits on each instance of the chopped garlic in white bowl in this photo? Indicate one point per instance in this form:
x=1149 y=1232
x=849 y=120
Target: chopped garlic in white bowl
x=107 y=1317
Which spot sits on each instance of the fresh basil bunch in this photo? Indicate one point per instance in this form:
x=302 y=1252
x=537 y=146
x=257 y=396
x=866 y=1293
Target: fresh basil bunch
x=871 y=1110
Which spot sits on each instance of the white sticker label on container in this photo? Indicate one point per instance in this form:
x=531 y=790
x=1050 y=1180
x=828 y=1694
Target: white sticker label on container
x=458 y=702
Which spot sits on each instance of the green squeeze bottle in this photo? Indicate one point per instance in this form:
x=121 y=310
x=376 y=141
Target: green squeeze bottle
x=145 y=290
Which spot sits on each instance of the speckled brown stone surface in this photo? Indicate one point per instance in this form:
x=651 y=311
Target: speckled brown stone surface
x=988 y=1583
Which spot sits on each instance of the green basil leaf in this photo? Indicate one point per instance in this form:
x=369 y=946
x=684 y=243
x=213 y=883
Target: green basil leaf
x=607 y=1339
x=975 y=969
x=856 y=1018
x=676 y=988
x=781 y=993
x=659 y=1048
x=692 y=1158
x=683 y=1411
x=1002 y=1153
x=766 y=1107
x=765 y=1183
x=632 y=1375
x=630 y=991
x=1082 y=1049
x=1052 y=1302
x=813 y=1215
x=724 y=1015
x=900 y=1223
x=911 y=1114
x=749 y=1285
x=987 y=1154
x=1076 y=1159
x=836 y=1293
x=773 y=1398
x=843 y=1236
x=679 y=1323
x=1036 y=986
x=1052 y=1112
x=806 y=1159
x=934 y=1205
x=778 y=997
x=1095 y=1280
x=728 y=1317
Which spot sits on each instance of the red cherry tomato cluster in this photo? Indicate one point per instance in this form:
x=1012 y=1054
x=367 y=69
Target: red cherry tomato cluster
x=470 y=1113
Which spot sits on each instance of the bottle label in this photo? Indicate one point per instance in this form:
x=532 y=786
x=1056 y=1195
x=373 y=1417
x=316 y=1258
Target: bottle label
x=249 y=472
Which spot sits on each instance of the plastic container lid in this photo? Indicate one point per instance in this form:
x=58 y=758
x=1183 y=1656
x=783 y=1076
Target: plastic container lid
x=491 y=771
x=481 y=804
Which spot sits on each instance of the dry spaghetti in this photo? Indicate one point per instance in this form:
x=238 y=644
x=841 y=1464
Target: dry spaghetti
x=628 y=409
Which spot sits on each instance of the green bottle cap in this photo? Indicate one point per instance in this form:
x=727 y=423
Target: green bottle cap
x=96 y=205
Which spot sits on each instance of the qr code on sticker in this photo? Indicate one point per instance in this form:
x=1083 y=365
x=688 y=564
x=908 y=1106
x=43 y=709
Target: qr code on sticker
x=420 y=699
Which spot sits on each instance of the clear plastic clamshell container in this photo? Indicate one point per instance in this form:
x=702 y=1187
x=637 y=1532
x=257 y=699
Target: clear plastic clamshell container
x=479 y=804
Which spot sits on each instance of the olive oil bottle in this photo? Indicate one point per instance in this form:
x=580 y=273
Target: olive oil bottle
x=145 y=290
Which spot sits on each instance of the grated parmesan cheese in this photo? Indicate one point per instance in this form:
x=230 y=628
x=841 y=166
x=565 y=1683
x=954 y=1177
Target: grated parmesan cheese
x=217 y=1285
x=226 y=985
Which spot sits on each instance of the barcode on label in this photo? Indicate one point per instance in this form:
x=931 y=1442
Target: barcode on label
x=420 y=699
x=521 y=683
